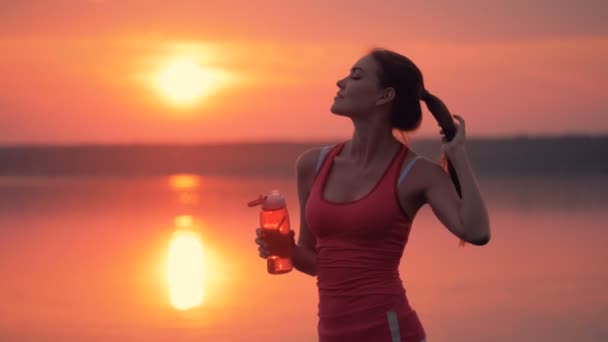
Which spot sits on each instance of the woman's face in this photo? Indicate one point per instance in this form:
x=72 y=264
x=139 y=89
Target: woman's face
x=359 y=92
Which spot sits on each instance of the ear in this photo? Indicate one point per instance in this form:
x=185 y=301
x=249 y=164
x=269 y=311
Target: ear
x=388 y=95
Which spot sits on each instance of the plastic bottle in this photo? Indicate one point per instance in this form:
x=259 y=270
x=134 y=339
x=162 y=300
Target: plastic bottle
x=274 y=222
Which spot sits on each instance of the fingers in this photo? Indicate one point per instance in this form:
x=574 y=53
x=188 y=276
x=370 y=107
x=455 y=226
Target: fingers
x=280 y=244
x=263 y=252
x=260 y=242
x=258 y=239
x=459 y=125
x=460 y=120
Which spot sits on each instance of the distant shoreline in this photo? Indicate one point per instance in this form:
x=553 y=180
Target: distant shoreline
x=515 y=157
x=423 y=139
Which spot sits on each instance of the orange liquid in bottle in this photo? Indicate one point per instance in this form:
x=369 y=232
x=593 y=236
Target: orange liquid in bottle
x=275 y=226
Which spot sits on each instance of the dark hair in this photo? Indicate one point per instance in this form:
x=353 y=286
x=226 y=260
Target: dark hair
x=400 y=73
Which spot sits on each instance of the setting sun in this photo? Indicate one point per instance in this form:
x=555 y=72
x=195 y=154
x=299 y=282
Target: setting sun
x=186 y=270
x=184 y=82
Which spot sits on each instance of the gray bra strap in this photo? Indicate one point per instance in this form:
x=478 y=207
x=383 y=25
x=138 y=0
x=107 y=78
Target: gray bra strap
x=322 y=155
x=407 y=169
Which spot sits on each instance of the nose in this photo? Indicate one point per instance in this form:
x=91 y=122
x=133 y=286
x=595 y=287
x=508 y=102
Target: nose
x=340 y=83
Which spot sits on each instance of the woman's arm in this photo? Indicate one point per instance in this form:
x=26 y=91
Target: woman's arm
x=304 y=256
x=465 y=217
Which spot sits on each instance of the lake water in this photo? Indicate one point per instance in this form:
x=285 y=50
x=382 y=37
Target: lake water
x=85 y=259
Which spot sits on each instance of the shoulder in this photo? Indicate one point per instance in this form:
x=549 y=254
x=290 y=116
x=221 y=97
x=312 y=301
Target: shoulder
x=306 y=165
x=430 y=167
x=430 y=170
x=435 y=181
x=307 y=160
x=423 y=164
x=424 y=172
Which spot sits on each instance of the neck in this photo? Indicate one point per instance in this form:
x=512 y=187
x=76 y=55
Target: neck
x=372 y=140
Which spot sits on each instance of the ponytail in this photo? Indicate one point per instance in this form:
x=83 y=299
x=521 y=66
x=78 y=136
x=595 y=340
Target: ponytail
x=400 y=73
x=445 y=121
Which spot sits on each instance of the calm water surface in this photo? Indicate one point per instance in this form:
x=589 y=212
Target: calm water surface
x=86 y=259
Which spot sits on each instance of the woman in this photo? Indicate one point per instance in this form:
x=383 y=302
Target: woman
x=357 y=205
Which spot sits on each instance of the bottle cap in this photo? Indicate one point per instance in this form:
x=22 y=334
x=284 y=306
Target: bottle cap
x=272 y=201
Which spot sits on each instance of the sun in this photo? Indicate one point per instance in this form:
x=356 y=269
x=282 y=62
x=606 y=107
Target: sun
x=183 y=82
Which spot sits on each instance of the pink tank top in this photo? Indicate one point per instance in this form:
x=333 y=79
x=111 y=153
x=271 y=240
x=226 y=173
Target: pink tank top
x=359 y=247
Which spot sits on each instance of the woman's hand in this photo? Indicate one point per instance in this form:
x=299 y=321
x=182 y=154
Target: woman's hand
x=262 y=249
x=451 y=147
x=274 y=244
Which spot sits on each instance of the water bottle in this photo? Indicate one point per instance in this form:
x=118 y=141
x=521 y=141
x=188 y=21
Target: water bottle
x=274 y=222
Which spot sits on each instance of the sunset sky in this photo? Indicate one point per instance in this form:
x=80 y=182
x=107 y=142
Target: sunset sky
x=132 y=71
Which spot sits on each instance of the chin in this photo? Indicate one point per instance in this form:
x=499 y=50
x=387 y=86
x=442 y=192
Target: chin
x=336 y=110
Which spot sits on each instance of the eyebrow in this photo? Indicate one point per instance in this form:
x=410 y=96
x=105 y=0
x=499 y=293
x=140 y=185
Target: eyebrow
x=355 y=69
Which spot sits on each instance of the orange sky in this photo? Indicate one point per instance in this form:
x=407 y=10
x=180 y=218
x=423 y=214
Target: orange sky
x=74 y=71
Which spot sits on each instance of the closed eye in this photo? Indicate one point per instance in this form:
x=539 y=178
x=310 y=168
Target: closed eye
x=355 y=73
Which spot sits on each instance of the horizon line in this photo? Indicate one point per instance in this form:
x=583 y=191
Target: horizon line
x=290 y=141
